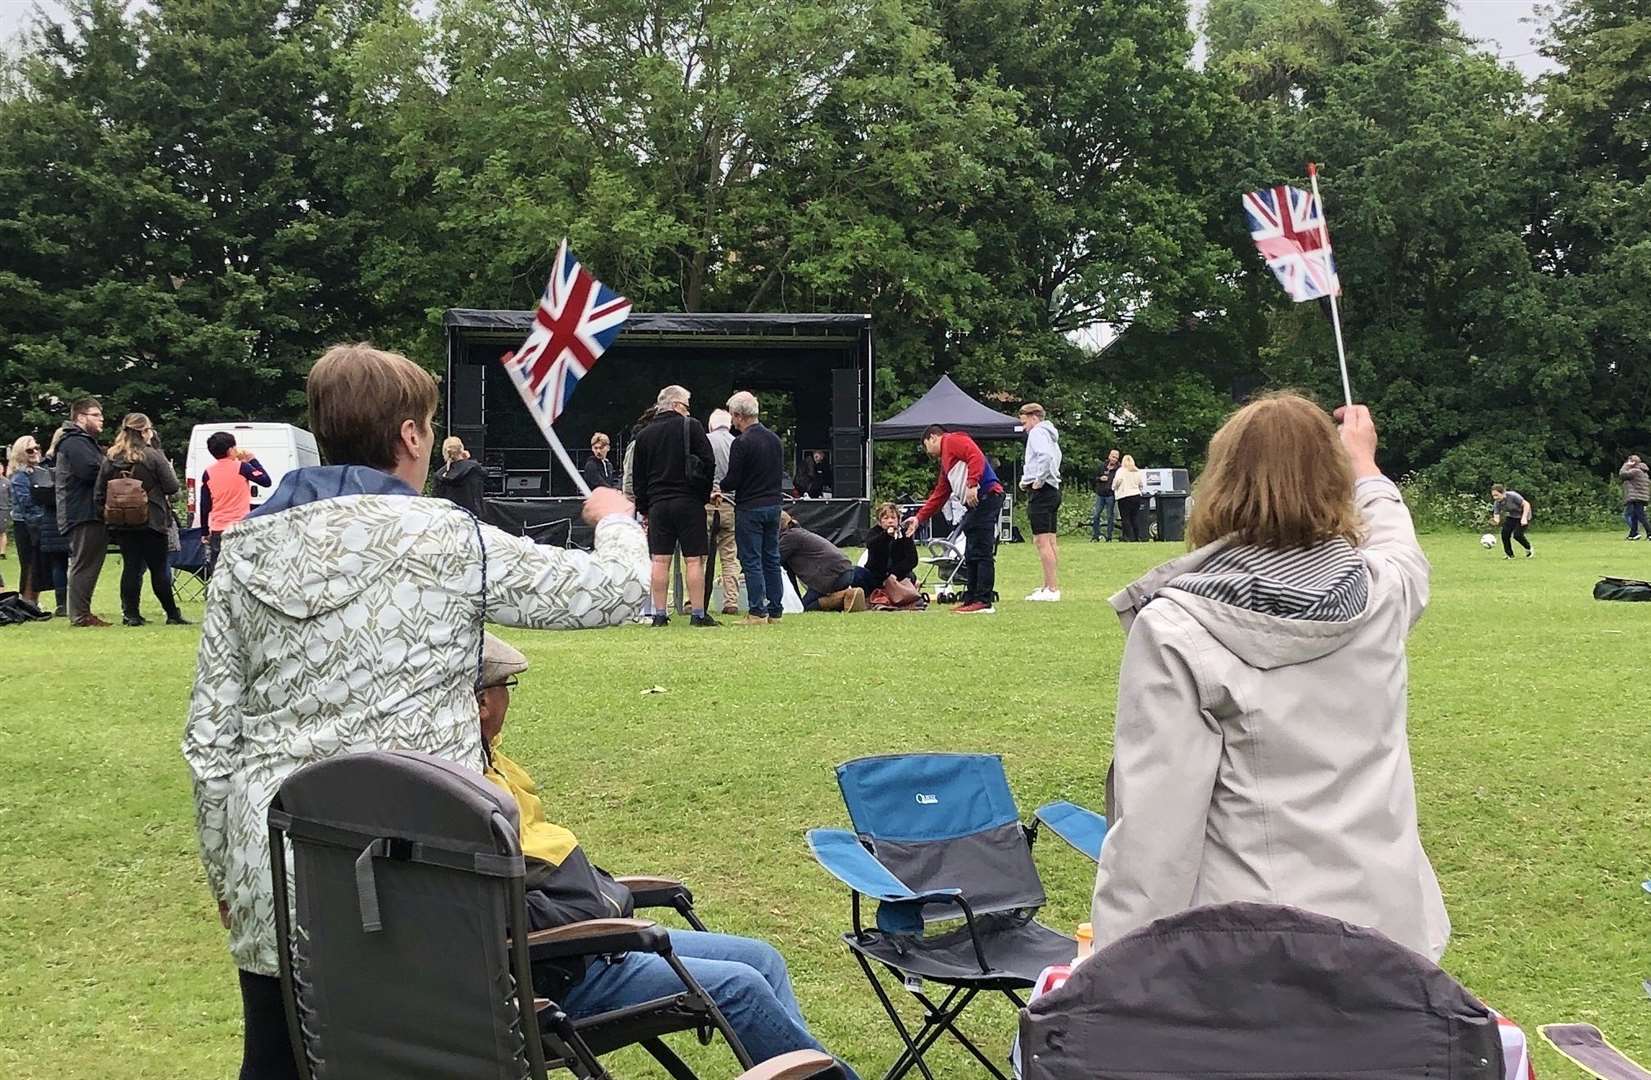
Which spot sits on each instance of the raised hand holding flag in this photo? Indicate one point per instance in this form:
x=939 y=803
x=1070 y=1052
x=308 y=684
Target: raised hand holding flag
x=1289 y=229
x=577 y=318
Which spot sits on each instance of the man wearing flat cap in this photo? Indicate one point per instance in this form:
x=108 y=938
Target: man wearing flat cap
x=746 y=978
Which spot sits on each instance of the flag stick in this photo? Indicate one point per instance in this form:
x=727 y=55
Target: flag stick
x=1335 y=286
x=567 y=462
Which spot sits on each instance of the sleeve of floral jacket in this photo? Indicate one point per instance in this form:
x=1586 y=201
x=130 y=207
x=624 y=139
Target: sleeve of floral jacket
x=545 y=587
x=211 y=739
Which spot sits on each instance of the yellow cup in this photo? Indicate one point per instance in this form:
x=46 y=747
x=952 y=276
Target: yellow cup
x=1086 y=940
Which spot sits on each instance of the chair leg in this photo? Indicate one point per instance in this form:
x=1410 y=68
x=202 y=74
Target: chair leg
x=912 y=1054
x=668 y=1059
x=945 y=1021
x=934 y=1026
x=691 y=984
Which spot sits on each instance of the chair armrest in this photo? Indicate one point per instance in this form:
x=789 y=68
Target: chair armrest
x=594 y=937
x=653 y=892
x=796 y=1065
x=1083 y=829
x=846 y=859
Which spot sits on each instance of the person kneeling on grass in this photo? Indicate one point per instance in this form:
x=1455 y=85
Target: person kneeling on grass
x=832 y=583
x=746 y=978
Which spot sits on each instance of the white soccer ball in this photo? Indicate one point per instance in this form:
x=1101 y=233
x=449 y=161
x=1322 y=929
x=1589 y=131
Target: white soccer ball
x=1487 y=541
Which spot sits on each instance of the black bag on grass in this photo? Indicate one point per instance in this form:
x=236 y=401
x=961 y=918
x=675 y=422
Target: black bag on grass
x=1616 y=588
x=14 y=609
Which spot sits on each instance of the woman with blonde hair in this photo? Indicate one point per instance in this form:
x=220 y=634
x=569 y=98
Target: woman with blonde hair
x=460 y=481
x=1128 y=486
x=26 y=515
x=1261 y=750
x=142 y=534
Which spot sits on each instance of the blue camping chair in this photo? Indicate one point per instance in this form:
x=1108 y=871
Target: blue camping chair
x=937 y=838
x=190 y=565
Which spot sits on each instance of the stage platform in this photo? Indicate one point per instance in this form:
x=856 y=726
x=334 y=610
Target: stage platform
x=556 y=521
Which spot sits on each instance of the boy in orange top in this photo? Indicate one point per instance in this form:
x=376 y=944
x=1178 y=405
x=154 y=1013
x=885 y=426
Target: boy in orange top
x=226 y=488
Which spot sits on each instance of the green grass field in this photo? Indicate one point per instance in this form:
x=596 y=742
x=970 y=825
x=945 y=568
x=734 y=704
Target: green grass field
x=1530 y=722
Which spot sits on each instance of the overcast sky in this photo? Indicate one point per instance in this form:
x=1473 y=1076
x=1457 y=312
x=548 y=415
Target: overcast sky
x=1505 y=26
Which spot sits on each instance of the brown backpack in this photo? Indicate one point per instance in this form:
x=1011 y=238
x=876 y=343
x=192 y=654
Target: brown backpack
x=125 y=503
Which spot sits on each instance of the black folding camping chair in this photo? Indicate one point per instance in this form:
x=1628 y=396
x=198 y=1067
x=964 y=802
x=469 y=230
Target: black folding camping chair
x=937 y=837
x=397 y=954
x=190 y=566
x=1238 y=990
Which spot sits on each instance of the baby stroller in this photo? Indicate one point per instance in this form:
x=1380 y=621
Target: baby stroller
x=943 y=566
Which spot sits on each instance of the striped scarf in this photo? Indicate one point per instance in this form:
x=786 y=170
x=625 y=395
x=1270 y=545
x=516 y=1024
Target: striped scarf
x=1327 y=582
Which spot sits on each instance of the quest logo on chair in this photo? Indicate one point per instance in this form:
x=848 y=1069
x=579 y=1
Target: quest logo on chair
x=927 y=800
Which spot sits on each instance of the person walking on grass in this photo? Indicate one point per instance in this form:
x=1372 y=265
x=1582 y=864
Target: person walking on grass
x=1042 y=480
x=672 y=473
x=756 y=478
x=1636 y=492
x=79 y=459
x=1512 y=511
x=1104 y=501
x=135 y=486
x=966 y=486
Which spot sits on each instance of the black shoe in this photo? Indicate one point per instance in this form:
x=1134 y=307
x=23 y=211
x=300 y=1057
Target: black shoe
x=662 y=620
x=703 y=620
x=177 y=620
x=62 y=613
x=133 y=620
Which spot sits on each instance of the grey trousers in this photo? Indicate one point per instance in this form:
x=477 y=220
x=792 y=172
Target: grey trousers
x=88 y=543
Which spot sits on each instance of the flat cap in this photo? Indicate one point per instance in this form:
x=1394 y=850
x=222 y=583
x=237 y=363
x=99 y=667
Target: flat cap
x=500 y=661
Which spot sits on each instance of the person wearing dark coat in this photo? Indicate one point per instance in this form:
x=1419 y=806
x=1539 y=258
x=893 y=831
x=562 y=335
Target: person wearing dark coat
x=142 y=546
x=79 y=518
x=51 y=546
x=460 y=481
x=599 y=470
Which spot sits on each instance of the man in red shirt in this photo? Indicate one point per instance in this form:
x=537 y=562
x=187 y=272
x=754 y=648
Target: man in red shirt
x=966 y=483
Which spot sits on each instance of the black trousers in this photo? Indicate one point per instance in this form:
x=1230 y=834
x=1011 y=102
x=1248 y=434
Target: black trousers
x=1511 y=531
x=1130 y=513
x=26 y=541
x=980 y=555
x=267 y=1051
x=140 y=550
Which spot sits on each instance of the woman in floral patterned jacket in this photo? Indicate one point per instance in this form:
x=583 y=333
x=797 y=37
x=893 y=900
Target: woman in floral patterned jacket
x=346 y=615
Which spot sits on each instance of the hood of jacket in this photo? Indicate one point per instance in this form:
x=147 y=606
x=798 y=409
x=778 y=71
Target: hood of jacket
x=326 y=535
x=1260 y=638
x=456 y=471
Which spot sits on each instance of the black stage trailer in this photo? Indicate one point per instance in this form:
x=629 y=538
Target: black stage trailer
x=812 y=373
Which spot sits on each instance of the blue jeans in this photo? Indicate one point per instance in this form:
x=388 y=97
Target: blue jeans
x=757 y=539
x=1109 y=505
x=1635 y=514
x=745 y=977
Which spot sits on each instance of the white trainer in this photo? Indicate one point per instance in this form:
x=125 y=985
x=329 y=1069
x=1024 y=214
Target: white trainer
x=1052 y=596
x=1040 y=593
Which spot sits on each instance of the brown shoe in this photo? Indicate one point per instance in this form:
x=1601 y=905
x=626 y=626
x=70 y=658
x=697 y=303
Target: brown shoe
x=834 y=601
x=753 y=620
x=730 y=609
x=89 y=620
x=855 y=601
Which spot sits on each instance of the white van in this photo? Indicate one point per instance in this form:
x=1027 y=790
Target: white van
x=279 y=448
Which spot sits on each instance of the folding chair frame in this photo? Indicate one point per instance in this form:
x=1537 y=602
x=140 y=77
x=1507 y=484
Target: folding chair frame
x=567 y=1043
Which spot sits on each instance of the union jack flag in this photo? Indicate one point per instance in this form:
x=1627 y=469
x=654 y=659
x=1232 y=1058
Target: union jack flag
x=1287 y=225
x=577 y=319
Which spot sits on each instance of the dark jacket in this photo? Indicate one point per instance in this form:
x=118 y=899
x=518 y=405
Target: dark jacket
x=811 y=478
x=1103 y=479
x=24 y=509
x=78 y=460
x=601 y=472
x=887 y=554
x=755 y=467
x=812 y=559
x=43 y=489
x=660 y=470
x=460 y=483
x=160 y=483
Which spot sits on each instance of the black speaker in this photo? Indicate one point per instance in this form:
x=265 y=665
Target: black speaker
x=464 y=396
x=845 y=399
x=848 y=465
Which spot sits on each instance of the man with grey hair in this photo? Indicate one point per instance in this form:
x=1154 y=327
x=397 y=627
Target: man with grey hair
x=672 y=473
x=755 y=467
x=719 y=517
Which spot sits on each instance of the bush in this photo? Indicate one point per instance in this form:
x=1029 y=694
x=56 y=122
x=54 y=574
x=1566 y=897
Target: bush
x=1573 y=498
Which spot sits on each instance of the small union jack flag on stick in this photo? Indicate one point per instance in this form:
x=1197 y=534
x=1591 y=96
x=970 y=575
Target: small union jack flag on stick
x=577 y=319
x=1288 y=227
